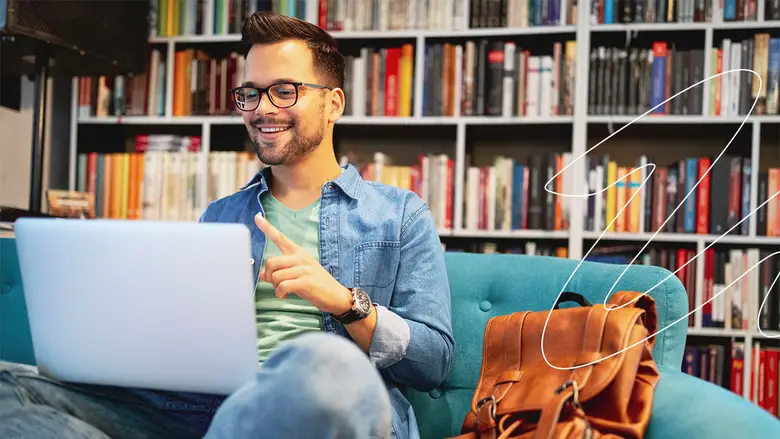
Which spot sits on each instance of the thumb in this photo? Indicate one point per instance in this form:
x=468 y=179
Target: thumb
x=272 y=233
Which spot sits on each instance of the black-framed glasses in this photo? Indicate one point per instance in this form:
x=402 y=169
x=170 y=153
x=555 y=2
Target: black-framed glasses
x=281 y=94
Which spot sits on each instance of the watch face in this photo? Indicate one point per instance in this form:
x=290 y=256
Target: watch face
x=362 y=302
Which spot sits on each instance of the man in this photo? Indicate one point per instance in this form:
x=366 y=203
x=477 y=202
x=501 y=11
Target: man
x=352 y=297
x=331 y=230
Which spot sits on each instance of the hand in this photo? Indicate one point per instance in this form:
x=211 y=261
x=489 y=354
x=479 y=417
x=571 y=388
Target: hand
x=296 y=271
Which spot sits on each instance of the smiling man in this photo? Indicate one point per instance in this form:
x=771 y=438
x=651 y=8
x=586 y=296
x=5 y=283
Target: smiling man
x=336 y=254
x=352 y=295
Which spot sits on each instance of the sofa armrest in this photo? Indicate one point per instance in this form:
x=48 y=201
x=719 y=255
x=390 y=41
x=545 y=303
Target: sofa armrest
x=495 y=284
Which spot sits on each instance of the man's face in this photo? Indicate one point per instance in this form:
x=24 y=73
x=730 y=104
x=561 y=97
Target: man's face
x=283 y=135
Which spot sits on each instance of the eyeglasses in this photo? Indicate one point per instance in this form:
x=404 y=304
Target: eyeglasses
x=281 y=94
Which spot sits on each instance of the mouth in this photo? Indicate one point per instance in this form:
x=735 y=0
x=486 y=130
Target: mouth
x=273 y=129
x=272 y=132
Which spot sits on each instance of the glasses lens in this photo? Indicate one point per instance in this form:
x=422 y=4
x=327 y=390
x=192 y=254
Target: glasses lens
x=246 y=98
x=283 y=95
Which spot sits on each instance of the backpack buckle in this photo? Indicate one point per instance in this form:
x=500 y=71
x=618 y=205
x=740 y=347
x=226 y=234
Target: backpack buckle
x=574 y=400
x=488 y=399
x=574 y=403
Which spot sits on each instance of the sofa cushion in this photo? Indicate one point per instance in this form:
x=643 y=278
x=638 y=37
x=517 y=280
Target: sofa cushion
x=487 y=285
x=710 y=411
x=15 y=340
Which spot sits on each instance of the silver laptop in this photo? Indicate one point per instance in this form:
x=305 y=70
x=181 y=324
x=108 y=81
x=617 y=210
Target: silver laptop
x=159 y=305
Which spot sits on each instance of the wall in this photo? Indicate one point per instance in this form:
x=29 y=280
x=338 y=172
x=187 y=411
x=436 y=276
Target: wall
x=16 y=130
x=15 y=141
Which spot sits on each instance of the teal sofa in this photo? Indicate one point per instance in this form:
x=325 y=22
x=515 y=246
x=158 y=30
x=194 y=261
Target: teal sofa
x=484 y=286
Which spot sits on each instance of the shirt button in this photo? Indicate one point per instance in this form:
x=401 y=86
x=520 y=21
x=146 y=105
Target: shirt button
x=252 y=261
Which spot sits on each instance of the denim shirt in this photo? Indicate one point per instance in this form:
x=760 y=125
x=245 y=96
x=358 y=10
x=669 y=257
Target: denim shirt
x=382 y=239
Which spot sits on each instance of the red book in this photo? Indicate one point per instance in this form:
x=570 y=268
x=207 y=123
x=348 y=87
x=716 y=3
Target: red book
x=91 y=173
x=323 y=18
x=770 y=379
x=660 y=180
x=709 y=280
x=735 y=194
x=761 y=378
x=391 y=81
x=703 y=209
x=737 y=368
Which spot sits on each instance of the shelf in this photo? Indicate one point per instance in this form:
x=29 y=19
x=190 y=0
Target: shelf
x=756 y=25
x=521 y=120
x=235 y=38
x=347 y=120
x=499 y=32
x=656 y=27
x=682 y=27
x=140 y=120
x=388 y=35
x=436 y=120
x=518 y=234
x=643 y=237
x=669 y=119
x=683 y=238
x=721 y=332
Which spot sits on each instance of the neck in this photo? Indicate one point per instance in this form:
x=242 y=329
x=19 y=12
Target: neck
x=302 y=180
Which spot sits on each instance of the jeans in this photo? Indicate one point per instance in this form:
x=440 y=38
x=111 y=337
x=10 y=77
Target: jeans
x=316 y=386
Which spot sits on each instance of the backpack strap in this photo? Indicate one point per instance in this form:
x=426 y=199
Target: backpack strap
x=568 y=392
x=502 y=346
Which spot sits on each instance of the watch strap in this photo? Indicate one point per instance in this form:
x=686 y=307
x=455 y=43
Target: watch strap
x=353 y=315
x=348 y=317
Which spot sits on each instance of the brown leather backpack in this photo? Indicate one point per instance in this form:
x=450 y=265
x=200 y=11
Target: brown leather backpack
x=519 y=395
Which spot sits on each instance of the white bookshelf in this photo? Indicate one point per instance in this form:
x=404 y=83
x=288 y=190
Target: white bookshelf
x=580 y=123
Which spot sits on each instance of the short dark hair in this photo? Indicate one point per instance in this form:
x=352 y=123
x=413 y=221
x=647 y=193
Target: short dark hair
x=266 y=27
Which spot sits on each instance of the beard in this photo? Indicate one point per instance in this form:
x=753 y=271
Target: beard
x=294 y=144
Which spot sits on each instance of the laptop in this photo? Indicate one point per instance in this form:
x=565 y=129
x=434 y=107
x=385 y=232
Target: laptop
x=146 y=304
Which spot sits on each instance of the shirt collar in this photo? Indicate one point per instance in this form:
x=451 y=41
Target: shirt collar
x=348 y=181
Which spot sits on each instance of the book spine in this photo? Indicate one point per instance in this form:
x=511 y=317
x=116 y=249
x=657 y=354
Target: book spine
x=659 y=77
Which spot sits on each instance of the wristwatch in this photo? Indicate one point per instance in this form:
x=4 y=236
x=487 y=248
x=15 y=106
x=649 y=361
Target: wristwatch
x=361 y=307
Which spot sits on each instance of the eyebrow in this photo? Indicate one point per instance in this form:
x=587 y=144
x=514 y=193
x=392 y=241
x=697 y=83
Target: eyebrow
x=254 y=84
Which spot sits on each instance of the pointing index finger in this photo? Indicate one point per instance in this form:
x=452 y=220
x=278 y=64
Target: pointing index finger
x=272 y=233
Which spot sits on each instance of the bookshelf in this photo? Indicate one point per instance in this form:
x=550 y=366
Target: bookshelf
x=565 y=113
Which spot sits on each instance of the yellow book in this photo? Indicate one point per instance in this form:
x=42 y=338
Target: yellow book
x=609 y=215
x=132 y=188
x=636 y=206
x=124 y=185
x=621 y=199
x=405 y=71
x=172 y=15
x=116 y=186
x=714 y=84
x=139 y=198
x=106 y=192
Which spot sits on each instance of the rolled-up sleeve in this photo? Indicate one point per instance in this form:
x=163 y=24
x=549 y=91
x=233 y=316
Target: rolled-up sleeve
x=413 y=340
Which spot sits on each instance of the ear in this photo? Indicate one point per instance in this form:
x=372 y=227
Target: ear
x=337 y=103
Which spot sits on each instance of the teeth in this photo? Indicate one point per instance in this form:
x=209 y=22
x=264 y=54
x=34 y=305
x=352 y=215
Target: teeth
x=274 y=130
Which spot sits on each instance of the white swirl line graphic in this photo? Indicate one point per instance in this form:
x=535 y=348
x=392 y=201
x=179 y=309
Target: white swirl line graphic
x=652 y=169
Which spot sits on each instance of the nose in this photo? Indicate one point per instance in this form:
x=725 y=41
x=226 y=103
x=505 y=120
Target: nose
x=265 y=106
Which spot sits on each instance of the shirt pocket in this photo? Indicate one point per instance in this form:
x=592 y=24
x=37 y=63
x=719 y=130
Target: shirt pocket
x=376 y=263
